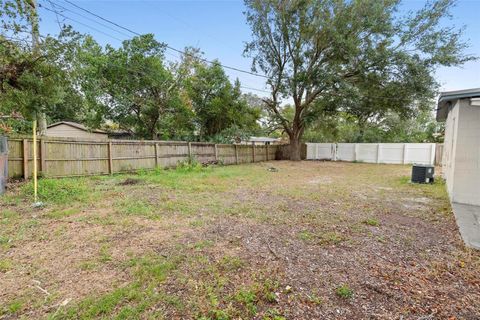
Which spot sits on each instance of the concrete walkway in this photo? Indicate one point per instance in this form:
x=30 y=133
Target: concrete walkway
x=468 y=221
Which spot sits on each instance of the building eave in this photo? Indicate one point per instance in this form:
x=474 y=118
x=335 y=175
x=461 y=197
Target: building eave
x=449 y=98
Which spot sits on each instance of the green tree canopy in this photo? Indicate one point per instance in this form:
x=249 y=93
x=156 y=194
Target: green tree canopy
x=361 y=53
x=218 y=104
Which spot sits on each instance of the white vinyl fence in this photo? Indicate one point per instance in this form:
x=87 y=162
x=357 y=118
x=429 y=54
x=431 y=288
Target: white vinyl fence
x=320 y=151
x=394 y=153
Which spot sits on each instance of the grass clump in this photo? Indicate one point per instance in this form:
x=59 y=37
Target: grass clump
x=5 y=265
x=59 y=214
x=306 y=235
x=15 y=306
x=273 y=314
x=189 y=165
x=248 y=298
x=231 y=263
x=344 y=291
x=59 y=191
x=326 y=238
x=136 y=207
x=371 y=222
x=104 y=254
x=314 y=299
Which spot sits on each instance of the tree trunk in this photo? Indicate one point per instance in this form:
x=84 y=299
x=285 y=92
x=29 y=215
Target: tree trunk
x=42 y=123
x=295 y=149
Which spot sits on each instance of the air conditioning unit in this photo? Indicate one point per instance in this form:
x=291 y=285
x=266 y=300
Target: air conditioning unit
x=423 y=173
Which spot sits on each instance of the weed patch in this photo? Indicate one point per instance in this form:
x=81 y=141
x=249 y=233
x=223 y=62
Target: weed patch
x=324 y=238
x=344 y=292
x=136 y=207
x=5 y=265
x=59 y=214
x=59 y=191
x=371 y=222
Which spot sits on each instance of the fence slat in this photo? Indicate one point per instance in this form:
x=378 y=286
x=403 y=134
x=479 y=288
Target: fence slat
x=110 y=159
x=25 y=159
x=156 y=155
x=236 y=154
x=43 y=167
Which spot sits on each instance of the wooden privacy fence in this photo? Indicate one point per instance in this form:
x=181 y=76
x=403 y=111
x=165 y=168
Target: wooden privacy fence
x=3 y=163
x=394 y=153
x=63 y=157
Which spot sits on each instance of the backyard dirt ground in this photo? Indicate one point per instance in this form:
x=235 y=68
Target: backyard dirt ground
x=310 y=240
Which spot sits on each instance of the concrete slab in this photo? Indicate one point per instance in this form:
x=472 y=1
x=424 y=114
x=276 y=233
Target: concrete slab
x=468 y=221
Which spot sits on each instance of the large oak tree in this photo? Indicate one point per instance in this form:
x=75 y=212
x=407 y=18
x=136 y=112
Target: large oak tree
x=316 y=52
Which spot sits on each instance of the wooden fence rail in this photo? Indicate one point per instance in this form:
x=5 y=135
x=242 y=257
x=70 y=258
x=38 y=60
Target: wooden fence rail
x=62 y=157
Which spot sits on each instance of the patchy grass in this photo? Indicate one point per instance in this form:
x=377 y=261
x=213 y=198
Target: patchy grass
x=5 y=265
x=344 y=291
x=237 y=242
x=60 y=191
x=371 y=222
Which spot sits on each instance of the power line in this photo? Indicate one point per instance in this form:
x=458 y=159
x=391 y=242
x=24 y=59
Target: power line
x=254 y=89
x=109 y=35
x=166 y=45
x=87 y=18
x=190 y=26
x=81 y=23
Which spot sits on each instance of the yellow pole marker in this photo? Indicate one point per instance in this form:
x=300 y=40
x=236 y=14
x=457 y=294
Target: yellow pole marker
x=35 y=183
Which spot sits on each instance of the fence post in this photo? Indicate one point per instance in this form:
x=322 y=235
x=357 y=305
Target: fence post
x=355 y=152
x=189 y=150
x=236 y=154
x=25 y=159
x=216 y=152
x=110 y=160
x=379 y=148
x=156 y=155
x=266 y=152
x=405 y=149
x=43 y=152
x=253 y=152
x=432 y=154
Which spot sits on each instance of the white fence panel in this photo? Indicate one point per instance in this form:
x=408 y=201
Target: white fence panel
x=346 y=151
x=422 y=153
x=367 y=152
x=394 y=153
x=320 y=151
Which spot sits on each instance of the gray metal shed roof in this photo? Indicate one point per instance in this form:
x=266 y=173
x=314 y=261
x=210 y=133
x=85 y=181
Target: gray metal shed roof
x=449 y=97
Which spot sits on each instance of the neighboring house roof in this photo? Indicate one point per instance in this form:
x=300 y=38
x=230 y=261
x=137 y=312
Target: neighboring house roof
x=76 y=125
x=448 y=98
x=263 y=139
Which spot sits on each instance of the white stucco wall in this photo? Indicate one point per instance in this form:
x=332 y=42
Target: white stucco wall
x=466 y=181
x=63 y=130
x=461 y=166
x=449 y=145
